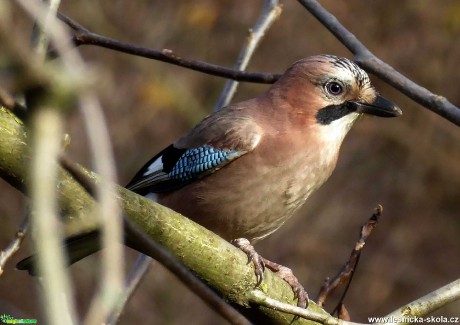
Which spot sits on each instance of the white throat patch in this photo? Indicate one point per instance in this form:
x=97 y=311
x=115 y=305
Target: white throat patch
x=338 y=129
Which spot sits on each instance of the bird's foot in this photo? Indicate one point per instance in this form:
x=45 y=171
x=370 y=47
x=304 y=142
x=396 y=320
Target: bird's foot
x=283 y=272
x=287 y=275
x=253 y=256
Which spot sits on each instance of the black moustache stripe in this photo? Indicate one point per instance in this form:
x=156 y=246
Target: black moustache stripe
x=330 y=113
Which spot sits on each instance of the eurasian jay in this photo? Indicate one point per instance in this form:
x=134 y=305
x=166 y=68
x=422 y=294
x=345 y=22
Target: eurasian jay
x=244 y=170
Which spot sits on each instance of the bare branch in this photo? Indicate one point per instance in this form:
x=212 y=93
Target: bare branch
x=111 y=225
x=83 y=37
x=363 y=57
x=7 y=101
x=366 y=59
x=158 y=252
x=132 y=282
x=45 y=219
x=270 y=12
x=427 y=304
x=153 y=249
x=230 y=276
x=345 y=275
x=15 y=244
x=47 y=127
x=371 y=63
x=259 y=298
x=77 y=174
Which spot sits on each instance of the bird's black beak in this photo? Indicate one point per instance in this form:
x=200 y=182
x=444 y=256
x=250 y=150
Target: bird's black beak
x=379 y=107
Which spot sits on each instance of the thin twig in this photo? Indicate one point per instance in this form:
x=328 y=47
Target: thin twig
x=160 y=254
x=345 y=275
x=132 y=282
x=153 y=249
x=15 y=244
x=425 y=305
x=47 y=129
x=80 y=177
x=143 y=262
x=84 y=37
x=438 y=104
x=271 y=10
x=261 y=299
x=45 y=219
x=7 y=101
x=111 y=225
x=112 y=273
x=371 y=63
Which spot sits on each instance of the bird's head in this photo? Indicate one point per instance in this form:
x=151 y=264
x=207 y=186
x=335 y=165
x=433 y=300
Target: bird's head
x=332 y=92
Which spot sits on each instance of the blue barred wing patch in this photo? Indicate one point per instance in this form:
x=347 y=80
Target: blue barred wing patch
x=197 y=161
x=174 y=168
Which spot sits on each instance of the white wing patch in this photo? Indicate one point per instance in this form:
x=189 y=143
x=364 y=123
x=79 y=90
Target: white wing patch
x=156 y=166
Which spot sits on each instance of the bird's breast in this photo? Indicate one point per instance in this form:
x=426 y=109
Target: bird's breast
x=254 y=195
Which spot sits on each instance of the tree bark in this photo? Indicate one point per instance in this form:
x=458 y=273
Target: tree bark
x=214 y=260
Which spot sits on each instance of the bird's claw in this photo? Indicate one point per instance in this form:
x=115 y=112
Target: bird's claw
x=286 y=274
x=258 y=262
x=283 y=272
x=259 y=267
x=301 y=295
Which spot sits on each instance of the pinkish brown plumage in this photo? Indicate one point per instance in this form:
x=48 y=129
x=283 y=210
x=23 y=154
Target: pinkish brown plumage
x=287 y=153
x=244 y=170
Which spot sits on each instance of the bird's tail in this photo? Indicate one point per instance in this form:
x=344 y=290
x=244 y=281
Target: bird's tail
x=77 y=247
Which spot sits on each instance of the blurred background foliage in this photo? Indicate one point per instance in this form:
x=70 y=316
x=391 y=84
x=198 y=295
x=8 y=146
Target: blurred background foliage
x=410 y=165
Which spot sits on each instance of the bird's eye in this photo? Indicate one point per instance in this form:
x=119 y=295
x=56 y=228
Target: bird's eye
x=334 y=88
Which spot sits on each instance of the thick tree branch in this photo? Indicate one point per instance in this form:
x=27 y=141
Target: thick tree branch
x=73 y=68
x=219 y=263
x=152 y=249
x=371 y=63
x=270 y=12
x=155 y=250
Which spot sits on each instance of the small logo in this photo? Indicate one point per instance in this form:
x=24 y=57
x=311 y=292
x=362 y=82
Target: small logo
x=8 y=319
